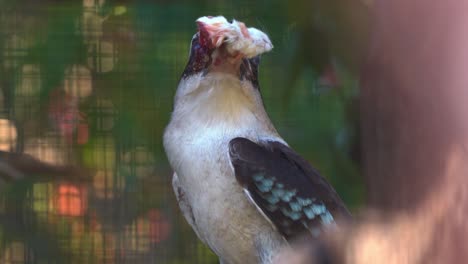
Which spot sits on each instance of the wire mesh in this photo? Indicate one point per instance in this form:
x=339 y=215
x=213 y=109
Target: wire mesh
x=90 y=84
x=77 y=87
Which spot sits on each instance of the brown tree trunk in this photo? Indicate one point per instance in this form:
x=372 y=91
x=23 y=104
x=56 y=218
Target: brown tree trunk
x=414 y=102
x=413 y=96
x=414 y=112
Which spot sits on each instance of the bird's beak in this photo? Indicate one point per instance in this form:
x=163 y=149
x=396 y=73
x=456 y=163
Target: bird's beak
x=231 y=43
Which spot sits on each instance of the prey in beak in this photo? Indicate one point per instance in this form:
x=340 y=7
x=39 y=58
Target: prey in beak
x=221 y=46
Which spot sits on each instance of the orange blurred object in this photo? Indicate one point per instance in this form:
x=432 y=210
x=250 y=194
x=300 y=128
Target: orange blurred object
x=159 y=227
x=71 y=200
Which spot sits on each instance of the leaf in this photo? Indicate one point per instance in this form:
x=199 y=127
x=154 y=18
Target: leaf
x=119 y=10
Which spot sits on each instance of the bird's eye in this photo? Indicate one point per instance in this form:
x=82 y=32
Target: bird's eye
x=193 y=44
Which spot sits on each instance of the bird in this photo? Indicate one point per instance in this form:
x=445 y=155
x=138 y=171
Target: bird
x=244 y=191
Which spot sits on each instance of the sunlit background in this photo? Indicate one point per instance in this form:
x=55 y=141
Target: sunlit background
x=90 y=83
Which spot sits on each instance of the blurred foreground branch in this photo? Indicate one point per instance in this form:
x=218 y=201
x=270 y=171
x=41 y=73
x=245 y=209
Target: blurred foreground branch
x=18 y=166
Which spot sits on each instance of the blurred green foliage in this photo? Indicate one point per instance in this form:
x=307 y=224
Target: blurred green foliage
x=135 y=52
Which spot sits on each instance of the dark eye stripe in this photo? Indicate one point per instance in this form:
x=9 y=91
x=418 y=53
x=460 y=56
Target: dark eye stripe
x=193 y=43
x=199 y=58
x=249 y=70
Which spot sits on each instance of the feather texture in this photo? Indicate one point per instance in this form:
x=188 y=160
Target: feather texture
x=287 y=190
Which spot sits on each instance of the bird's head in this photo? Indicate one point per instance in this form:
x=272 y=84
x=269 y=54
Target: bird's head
x=220 y=80
x=221 y=46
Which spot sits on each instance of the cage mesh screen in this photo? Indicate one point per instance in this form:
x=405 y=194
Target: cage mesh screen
x=86 y=89
x=88 y=84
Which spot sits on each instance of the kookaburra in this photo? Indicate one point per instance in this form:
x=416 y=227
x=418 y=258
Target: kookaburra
x=243 y=190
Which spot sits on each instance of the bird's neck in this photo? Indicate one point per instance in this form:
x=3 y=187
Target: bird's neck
x=221 y=102
x=220 y=97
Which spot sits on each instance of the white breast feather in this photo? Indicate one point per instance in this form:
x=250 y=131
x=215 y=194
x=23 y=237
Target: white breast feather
x=204 y=120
